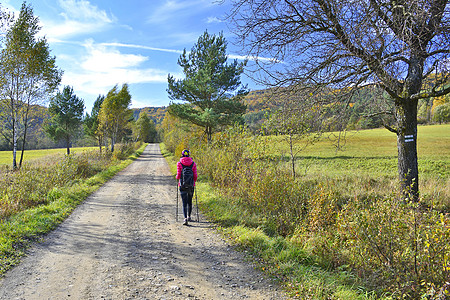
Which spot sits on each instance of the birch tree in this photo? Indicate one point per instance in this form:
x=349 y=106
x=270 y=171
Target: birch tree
x=29 y=75
x=114 y=113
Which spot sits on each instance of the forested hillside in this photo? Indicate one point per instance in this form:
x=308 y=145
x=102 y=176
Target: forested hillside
x=365 y=109
x=361 y=113
x=154 y=113
x=36 y=137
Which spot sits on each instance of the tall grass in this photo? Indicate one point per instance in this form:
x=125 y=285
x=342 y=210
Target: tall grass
x=35 y=182
x=345 y=210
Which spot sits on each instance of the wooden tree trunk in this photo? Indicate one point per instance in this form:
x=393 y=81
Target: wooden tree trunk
x=209 y=134
x=291 y=148
x=406 y=115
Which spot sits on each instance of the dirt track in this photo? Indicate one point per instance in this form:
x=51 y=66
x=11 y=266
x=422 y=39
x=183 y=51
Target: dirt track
x=123 y=243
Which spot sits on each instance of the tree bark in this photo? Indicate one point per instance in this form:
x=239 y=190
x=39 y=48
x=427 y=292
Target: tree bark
x=100 y=142
x=406 y=115
x=113 y=141
x=291 y=148
x=14 y=145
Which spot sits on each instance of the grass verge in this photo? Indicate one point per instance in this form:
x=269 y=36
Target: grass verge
x=303 y=274
x=20 y=230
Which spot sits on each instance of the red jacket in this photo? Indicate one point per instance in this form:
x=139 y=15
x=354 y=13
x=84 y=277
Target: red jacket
x=187 y=161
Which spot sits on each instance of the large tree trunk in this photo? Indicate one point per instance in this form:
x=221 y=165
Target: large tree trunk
x=113 y=141
x=406 y=115
x=100 y=143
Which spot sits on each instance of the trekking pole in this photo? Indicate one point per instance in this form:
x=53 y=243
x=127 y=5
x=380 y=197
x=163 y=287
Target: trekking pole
x=196 y=204
x=176 y=214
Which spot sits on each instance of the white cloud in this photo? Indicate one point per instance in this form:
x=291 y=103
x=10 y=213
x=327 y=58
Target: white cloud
x=79 y=17
x=6 y=4
x=102 y=58
x=214 y=20
x=84 y=10
x=177 y=8
x=142 y=47
x=102 y=67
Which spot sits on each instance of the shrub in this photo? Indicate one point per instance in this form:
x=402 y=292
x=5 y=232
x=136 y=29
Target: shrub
x=124 y=150
x=399 y=245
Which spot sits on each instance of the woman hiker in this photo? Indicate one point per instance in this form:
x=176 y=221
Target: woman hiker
x=187 y=176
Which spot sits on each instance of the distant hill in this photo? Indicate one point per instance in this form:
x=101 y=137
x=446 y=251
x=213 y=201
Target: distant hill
x=255 y=100
x=154 y=113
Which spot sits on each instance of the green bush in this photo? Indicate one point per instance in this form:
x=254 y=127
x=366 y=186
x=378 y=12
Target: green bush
x=124 y=150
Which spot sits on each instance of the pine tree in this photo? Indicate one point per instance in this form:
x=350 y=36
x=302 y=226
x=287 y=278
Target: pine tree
x=66 y=111
x=211 y=87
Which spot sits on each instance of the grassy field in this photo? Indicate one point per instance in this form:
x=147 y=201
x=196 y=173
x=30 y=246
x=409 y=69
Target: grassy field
x=433 y=143
x=371 y=152
x=6 y=156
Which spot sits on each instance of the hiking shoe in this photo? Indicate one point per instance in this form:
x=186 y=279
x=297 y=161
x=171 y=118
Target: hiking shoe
x=185 y=222
x=189 y=219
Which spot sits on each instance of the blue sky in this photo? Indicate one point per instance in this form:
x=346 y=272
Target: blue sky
x=100 y=43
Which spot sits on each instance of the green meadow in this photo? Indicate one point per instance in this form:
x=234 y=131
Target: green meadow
x=6 y=156
x=371 y=153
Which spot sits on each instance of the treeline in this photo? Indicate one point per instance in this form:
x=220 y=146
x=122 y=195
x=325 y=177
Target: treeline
x=365 y=108
x=360 y=114
x=37 y=138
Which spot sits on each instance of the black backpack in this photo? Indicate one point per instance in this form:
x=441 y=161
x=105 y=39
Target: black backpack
x=187 y=179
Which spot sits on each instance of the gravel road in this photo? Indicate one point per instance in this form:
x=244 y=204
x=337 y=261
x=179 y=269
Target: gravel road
x=123 y=243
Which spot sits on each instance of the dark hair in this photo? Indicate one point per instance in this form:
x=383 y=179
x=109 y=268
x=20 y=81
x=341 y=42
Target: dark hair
x=185 y=153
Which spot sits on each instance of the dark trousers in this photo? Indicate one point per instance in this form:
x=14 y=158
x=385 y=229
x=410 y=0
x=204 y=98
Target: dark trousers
x=187 y=203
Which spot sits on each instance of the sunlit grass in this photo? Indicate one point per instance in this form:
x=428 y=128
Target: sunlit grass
x=433 y=142
x=371 y=156
x=7 y=156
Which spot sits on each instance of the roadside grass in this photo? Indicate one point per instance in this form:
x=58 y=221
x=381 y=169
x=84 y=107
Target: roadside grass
x=18 y=231
x=6 y=156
